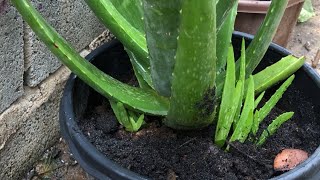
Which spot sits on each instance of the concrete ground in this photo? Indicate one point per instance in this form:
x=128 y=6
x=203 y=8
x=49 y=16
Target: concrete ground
x=305 y=40
x=57 y=162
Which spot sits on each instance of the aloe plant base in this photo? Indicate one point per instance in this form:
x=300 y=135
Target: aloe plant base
x=81 y=135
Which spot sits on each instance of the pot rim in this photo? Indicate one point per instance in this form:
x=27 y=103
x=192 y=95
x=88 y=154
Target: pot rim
x=260 y=7
x=84 y=151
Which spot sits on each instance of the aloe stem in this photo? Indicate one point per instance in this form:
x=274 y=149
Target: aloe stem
x=136 y=98
x=192 y=103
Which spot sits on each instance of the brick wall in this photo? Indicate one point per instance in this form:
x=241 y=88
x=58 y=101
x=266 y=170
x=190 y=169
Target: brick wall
x=31 y=80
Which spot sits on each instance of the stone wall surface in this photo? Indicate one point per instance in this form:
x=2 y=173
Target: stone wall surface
x=32 y=80
x=30 y=126
x=73 y=20
x=11 y=56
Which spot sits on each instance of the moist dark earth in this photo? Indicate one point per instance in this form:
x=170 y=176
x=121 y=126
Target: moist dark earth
x=159 y=152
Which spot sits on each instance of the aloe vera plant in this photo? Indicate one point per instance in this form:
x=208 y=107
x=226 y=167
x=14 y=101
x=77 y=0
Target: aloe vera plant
x=180 y=52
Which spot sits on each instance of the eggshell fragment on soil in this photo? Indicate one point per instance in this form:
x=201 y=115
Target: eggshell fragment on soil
x=288 y=159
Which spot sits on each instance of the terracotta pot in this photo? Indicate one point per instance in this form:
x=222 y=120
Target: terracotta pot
x=252 y=12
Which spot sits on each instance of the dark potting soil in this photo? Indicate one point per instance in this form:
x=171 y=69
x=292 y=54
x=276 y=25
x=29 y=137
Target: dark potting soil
x=159 y=152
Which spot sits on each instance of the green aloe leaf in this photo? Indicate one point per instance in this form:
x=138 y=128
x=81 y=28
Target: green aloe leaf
x=136 y=121
x=136 y=98
x=192 y=103
x=272 y=128
x=260 y=44
x=224 y=8
x=162 y=20
x=270 y=104
x=258 y=100
x=277 y=72
x=122 y=19
x=243 y=127
x=128 y=119
x=132 y=11
x=121 y=114
x=242 y=76
x=229 y=103
x=142 y=75
x=224 y=36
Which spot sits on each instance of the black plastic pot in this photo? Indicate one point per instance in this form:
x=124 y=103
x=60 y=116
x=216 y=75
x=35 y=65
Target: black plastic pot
x=112 y=59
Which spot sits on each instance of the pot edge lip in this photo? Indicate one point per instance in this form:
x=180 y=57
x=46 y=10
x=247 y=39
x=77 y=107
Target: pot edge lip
x=127 y=174
x=260 y=7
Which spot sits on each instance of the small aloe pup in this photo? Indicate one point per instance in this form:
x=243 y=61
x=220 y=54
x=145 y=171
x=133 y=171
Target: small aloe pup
x=179 y=50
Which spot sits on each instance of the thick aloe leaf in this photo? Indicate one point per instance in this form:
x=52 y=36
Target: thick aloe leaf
x=270 y=104
x=132 y=11
x=136 y=98
x=192 y=103
x=259 y=46
x=227 y=107
x=243 y=127
x=224 y=38
x=162 y=20
x=142 y=75
x=276 y=72
x=223 y=10
x=272 y=128
x=272 y=74
x=121 y=25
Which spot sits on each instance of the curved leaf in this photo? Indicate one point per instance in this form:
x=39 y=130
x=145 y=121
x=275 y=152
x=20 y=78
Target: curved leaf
x=136 y=98
x=117 y=19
